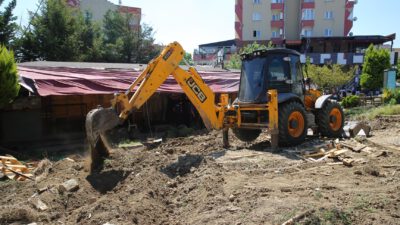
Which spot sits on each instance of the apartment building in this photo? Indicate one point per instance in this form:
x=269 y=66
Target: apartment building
x=291 y=20
x=96 y=9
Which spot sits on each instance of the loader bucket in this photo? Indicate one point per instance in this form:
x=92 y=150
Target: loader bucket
x=98 y=121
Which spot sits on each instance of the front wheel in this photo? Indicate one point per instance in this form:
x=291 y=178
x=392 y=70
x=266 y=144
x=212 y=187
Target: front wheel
x=330 y=120
x=292 y=124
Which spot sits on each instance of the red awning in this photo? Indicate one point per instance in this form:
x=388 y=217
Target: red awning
x=46 y=81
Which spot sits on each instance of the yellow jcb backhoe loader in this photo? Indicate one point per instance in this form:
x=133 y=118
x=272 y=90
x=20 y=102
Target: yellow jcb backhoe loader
x=272 y=95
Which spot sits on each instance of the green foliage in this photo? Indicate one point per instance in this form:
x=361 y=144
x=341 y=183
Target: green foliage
x=92 y=40
x=9 y=85
x=55 y=33
x=124 y=43
x=329 y=76
x=369 y=114
x=254 y=47
x=391 y=96
x=61 y=33
x=398 y=70
x=7 y=24
x=188 y=58
x=236 y=63
x=351 y=101
x=375 y=62
x=393 y=101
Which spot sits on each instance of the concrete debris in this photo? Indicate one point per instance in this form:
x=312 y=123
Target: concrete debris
x=69 y=185
x=382 y=154
x=38 y=204
x=231 y=198
x=356 y=128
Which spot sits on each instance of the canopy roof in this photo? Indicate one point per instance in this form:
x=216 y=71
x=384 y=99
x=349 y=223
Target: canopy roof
x=52 y=81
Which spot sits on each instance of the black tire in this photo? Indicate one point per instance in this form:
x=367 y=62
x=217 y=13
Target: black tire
x=291 y=132
x=246 y=135
x=329 y=125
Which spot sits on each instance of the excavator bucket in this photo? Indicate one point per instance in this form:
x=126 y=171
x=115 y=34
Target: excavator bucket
x=98 y=121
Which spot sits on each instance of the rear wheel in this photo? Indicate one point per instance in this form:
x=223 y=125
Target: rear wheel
x=246 y=135
x=292 y=124
x=331 y=120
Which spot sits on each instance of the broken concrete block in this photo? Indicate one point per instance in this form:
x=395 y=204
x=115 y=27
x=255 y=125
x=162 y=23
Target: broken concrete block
x=355 y=128
x=38 y=204
x=69 y=185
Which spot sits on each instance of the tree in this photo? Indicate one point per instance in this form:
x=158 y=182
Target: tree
x=55 y=33
x=9 y=85
x=188 y=58
x=7 y=25
x=375 y=62
x=119 y=37
x=146 y=49
x=236 y=63
x=127 y=43
x=328 y=76
x=92 y=40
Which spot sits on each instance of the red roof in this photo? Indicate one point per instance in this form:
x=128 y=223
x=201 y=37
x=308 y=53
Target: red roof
x=46 y=81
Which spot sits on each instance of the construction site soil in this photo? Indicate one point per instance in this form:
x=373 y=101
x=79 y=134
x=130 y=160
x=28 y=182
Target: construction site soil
x=193 y=180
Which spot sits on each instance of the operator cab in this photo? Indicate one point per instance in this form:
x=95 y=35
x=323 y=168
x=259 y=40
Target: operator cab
x=270 y=69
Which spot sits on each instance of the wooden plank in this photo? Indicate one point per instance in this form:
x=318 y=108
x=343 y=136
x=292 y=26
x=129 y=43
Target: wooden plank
x=336 y=153
x=7 y=158
x=28 y=176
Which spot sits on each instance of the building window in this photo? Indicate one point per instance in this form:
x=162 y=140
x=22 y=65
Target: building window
x=328 y=32
x=307 y=32
x=275 y=34
x=257 y=34
x=308 y=14
x=329 y=15
x=277 y=1
x=256 y=16
x=256 y=2
x=276 y=17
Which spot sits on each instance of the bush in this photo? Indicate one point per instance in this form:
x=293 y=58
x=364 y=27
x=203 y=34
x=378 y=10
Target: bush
x=351 y=101
x=9 y=85
x=327 y=77
x=376 y=60
x=391 y=96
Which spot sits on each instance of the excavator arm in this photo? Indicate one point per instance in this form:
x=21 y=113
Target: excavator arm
x=202 y=97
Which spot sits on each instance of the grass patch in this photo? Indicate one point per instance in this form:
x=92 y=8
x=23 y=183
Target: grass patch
x=364 y=113
x=328 y=216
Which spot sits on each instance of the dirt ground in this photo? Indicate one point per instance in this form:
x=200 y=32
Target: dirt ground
x=193 y=180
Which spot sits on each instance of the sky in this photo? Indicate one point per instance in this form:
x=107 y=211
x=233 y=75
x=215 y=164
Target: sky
x=195 y=22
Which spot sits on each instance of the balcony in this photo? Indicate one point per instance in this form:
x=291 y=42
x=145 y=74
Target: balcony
x=277 y=23
x=307 y=4
x=277 y=6
x=307 y=23
x=277 y=40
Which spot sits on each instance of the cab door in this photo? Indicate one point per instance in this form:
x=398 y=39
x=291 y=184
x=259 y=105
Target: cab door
x=296 y=76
